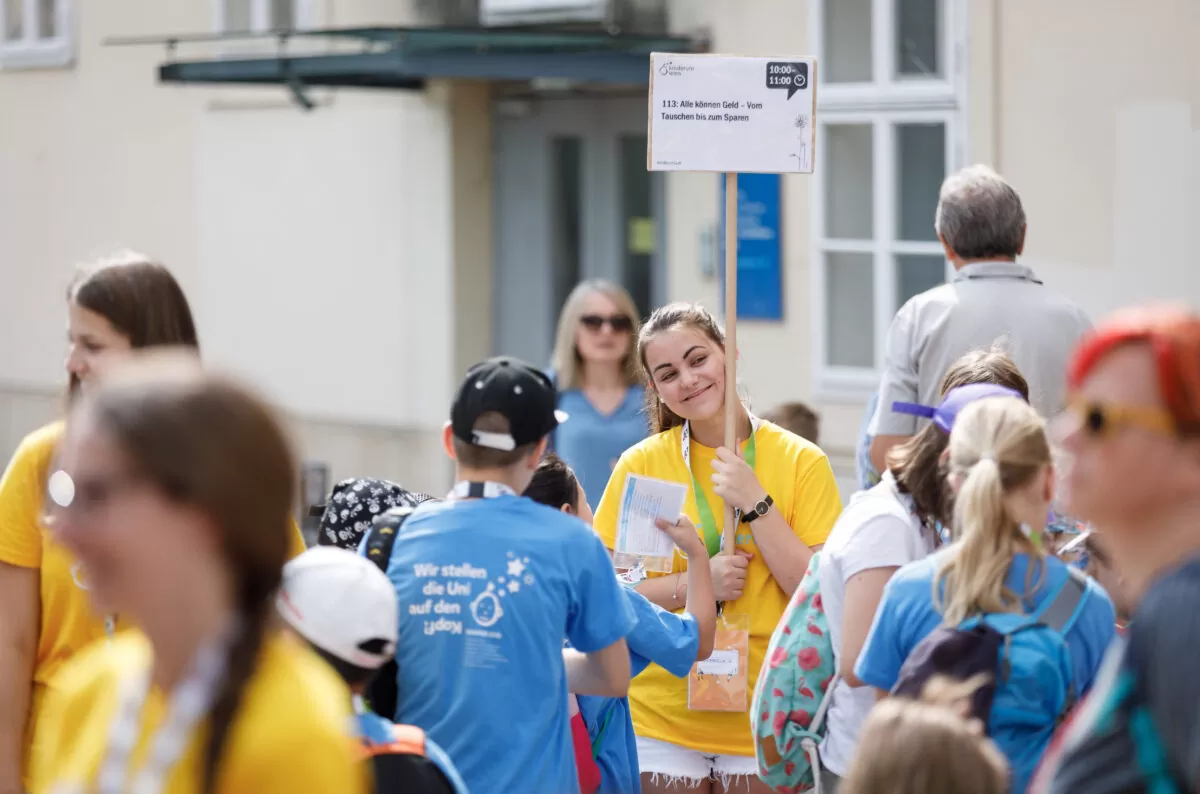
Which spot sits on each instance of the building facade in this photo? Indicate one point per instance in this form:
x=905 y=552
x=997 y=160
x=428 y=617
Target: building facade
x=355 y=230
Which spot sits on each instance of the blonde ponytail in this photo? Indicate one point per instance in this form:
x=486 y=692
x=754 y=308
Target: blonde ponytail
x=998 y=446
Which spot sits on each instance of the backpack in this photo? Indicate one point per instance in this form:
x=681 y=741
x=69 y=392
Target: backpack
x=792 y=694
x=1032 y=682
x=383 y=692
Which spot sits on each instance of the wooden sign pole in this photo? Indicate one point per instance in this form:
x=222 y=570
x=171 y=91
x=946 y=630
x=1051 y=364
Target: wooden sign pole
x=731 y=395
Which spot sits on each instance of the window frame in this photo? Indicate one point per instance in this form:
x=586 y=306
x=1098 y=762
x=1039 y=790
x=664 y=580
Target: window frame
x=889 y=100
x=302 y=12
x=34 y=52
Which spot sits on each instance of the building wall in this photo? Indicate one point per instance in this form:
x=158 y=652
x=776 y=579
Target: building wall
x=317 y=248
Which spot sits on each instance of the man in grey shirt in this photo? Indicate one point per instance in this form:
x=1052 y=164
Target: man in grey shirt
x=991 y=301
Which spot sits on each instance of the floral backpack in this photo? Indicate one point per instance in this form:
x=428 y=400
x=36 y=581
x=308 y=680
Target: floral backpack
x=793 y=692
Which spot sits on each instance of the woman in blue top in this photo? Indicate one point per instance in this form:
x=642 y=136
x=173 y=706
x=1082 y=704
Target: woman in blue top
x=1001 y=472
x=596 y=372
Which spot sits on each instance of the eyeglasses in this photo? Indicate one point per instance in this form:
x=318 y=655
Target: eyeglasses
x=618 y=322
x=1102 y=419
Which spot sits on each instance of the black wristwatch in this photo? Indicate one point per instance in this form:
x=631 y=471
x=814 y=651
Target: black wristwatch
x=759 y=509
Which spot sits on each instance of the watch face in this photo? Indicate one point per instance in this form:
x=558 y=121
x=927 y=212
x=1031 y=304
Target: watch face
x=761 y=508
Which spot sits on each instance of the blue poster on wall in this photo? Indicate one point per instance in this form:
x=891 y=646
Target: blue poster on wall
x=760 y=277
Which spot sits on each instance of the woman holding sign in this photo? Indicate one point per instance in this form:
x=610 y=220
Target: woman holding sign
x=694 y=734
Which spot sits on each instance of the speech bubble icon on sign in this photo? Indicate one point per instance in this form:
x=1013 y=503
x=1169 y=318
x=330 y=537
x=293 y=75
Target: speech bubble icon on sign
x=792 y=75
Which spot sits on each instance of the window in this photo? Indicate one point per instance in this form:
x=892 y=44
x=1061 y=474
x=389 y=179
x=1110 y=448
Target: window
x=259 y=16
x=889 y=109
x=35 y=34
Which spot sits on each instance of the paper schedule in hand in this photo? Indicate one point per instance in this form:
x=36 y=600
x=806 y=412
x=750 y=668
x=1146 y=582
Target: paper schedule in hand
x=639 y=541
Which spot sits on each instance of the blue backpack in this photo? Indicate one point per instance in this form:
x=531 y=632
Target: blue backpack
x=1028 y=662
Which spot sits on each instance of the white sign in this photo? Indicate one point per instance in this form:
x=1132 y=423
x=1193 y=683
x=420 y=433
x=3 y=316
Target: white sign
x=720 y=663
x=731 y=114
x=639 y=541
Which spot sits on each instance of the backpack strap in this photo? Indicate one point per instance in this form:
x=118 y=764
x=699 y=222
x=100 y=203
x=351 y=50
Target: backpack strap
x=382 y=535
x=1062 y=611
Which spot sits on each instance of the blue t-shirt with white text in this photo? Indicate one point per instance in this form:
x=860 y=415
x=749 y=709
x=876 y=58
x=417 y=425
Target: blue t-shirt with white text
x=660 y=637
x=488 y=588
x=907 y=614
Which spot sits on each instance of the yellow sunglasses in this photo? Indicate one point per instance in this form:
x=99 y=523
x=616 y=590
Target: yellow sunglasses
x=1102 y=419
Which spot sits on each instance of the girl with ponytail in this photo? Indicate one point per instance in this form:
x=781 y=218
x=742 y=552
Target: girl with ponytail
x=999 y=467
x=175 y=491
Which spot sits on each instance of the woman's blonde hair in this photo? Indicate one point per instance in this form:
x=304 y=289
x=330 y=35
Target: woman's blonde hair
x=927 y=746
x=997 y=447
x=565 y=359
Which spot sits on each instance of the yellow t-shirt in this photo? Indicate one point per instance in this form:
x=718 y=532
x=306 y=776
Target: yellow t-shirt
x=797 y=475
x=68 y=623
x=291 y=732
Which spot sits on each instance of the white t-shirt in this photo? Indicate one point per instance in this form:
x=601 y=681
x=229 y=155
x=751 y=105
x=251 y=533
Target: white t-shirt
x=878 y=529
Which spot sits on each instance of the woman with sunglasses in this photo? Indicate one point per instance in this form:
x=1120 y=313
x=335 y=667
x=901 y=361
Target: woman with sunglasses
x=113 y=307
x=596 y=372
x=1132 y=433
x=175 y=490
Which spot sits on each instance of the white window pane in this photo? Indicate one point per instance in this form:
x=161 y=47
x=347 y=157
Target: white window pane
x=849 y=310
x=916 y=273
x=848 y=178
x=47 y=19
x=847 y=41
x=283 y=15
x=921 y=166
x=14 y=20
x=918 y=28
x=238 y=15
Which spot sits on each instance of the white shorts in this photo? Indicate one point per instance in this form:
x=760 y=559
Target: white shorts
x=672 y=762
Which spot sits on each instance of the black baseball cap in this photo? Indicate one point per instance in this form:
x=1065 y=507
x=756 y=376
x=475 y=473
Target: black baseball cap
x=521 y=393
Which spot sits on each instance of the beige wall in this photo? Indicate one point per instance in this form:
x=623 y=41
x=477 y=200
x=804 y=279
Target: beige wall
x=302 y=239
x=1097 y=119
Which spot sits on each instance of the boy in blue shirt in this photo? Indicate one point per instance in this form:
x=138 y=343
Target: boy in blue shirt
x=674 y=642
x=488 y=585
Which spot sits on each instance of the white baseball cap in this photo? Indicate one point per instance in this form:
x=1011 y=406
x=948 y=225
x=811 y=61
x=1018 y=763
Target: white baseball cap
x=341 y=602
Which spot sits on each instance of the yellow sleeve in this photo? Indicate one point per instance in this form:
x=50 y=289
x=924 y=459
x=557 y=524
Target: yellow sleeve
x=818 y=502
x=605 y=519
x=21 y=492
x=297 y=541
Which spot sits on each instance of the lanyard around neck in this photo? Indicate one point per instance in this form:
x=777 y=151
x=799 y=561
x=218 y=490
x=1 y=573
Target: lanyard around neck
x=708 y=522
x=189 y=703
x=480 y=490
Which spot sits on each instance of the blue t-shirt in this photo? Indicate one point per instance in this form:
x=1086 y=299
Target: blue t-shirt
x=664 y=638
x=376 y=730
x=907 y=615
x=488 y=588
x=591 y=442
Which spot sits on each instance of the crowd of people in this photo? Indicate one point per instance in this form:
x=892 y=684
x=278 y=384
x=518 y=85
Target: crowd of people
x=1006 y=605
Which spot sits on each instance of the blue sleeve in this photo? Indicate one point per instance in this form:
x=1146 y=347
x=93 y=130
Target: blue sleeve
x=886 y=647
x=442 y=761
x=668 y=640
x=1091 y=635
x=600 y=614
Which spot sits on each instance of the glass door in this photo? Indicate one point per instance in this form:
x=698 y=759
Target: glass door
x=573 y=201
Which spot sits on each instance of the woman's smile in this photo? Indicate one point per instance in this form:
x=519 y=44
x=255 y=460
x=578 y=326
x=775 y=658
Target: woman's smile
x=698 y=393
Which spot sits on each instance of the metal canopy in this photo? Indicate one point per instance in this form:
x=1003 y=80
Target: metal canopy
x=404 y=58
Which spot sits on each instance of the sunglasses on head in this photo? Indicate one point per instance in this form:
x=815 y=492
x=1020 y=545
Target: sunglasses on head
x=1102 y=419
x=618 y=322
